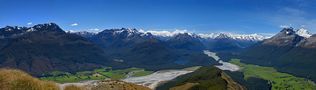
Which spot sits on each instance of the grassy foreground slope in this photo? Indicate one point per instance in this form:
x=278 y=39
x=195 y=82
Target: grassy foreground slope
x=18 y=80
x=279 y=81
x=115 y=85
x=12 y=79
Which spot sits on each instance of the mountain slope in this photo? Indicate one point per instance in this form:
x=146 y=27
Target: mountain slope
x=205 y=78
x=286 y=51
x=46 y=47
x=227 y=43
x=176 y=39
x=11 y=79
x=138 y=49
x=287 y=37
x=186 y=41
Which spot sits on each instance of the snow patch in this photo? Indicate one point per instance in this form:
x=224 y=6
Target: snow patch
x=303 y=32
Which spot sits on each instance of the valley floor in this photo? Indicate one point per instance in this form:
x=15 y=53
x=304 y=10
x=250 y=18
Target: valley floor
x=151 y=80
x=279 y=81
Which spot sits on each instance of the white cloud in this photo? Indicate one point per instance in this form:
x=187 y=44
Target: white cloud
x=74 y=24
x=29 y=23
x=94 y=29
x=284 y=26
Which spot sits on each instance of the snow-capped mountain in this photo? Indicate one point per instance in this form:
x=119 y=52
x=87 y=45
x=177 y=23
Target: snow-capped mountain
x=291 y=37
x=286 y=37
x=303 y=32
x=125 y=33
x=293 y=49
x=175 y=39
x=165 y=33
x=14 y=31
x=187 y=41
x=10 y=31
x=249 y=37
x=47 y=44
x=85 y=34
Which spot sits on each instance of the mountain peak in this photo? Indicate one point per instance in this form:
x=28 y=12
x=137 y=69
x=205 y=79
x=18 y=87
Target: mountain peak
x=10 y=31
x=12 y=28
x=223 y=36
x=286 y=37
x=46 y=27
x=128 y=30
x=287 y=31
x=303 y=32
x=248 y=37
x=185 y=36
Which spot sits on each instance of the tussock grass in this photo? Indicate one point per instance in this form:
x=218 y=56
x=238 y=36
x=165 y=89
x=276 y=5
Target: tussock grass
x=74 y=87
x=12 y=79
x=117 y=85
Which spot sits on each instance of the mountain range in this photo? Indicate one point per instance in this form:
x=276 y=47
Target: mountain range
x=213 y=41
x=291 y=51
x=46 y=47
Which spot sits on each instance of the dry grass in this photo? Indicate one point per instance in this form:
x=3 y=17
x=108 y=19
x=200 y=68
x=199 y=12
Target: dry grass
x=117 y=85
x=12 y=79
x=74 y=87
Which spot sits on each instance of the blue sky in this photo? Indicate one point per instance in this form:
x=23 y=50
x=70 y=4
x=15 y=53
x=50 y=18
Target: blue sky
x=201 y=16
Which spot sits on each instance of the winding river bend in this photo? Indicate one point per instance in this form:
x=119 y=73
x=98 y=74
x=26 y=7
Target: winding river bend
x=225 y=65
x=153 y=80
